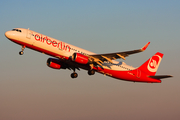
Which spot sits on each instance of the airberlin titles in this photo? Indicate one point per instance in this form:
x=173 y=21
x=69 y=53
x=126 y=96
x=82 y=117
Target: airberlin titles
x=55 y=43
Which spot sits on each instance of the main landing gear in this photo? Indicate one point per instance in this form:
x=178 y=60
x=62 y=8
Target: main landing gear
x=74 y=75
x=91 y=72
x=22 y=52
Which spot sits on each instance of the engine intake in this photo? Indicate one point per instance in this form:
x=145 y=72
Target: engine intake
x=80 y=58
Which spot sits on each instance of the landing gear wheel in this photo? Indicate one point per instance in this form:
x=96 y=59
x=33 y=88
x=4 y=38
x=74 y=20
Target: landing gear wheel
x=22 y=48
x=74 y=75
x=91 y=72
x=21 y=53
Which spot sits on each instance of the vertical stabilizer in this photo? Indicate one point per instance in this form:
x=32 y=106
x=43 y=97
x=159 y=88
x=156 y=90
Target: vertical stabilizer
x=150 y=66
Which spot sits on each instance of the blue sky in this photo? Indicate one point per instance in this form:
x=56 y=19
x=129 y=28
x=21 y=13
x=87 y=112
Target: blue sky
x=30 y=90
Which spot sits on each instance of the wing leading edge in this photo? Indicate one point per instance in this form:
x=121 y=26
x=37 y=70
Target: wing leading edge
x=100 y=58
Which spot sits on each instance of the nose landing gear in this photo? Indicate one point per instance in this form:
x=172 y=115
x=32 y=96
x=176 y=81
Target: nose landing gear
x=22 y=52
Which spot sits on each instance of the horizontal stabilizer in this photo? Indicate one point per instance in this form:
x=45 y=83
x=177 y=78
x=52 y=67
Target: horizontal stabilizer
x=160 y=76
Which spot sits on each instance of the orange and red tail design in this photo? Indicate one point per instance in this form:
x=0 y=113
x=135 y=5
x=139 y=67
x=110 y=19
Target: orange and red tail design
x=150 y=66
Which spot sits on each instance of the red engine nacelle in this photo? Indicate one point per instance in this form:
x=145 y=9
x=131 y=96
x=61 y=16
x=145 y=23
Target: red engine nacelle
x=80 y=58
x=55 y=63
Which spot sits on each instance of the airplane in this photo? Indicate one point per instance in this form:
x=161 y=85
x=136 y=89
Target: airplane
x=67 y=56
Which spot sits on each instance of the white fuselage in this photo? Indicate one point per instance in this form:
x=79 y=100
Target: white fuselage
x=72 y=57
x=59 y=48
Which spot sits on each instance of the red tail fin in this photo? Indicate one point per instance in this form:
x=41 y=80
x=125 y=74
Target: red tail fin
x=150 y=66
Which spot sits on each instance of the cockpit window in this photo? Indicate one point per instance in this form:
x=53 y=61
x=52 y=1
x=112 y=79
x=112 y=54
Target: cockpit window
x=16 y=30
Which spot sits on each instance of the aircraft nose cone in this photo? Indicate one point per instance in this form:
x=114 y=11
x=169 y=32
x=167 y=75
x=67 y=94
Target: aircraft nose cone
x=8 y=34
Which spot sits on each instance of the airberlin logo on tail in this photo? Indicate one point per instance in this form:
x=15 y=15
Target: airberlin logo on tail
x=154 y=63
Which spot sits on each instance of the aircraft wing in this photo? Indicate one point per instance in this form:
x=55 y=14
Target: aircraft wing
x=100 y=58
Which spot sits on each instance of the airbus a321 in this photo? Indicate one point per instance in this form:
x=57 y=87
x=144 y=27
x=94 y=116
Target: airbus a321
x=67 y=56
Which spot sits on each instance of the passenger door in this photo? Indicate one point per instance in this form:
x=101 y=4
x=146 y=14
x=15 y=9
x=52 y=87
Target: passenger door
x=28 y=34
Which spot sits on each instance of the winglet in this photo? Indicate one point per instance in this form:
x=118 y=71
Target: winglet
x=144 y=48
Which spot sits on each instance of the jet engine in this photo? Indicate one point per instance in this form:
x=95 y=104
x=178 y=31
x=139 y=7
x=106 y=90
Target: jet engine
x=55 y=63
x=80 y=58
